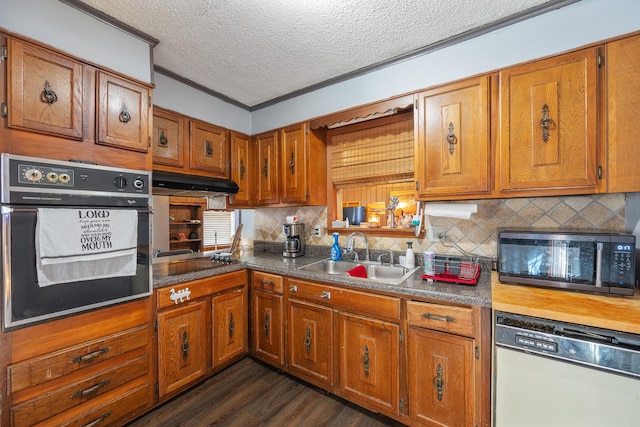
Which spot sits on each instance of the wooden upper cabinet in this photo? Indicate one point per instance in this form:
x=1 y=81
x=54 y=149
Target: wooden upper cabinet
x=170 y=133
x=241 y=168
x=622 y=61
x=208 y=149
x=549 y=113
x=452 y=153
x=266 y=162
x=294 y=163
x=45 y=90
x=123 y=113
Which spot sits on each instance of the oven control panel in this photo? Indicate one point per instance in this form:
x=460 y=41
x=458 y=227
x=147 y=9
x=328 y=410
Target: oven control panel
x=47 y=175
x=28 y=180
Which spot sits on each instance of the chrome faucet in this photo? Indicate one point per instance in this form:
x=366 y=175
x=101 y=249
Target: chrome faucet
x=390 y=257
x=348 y=244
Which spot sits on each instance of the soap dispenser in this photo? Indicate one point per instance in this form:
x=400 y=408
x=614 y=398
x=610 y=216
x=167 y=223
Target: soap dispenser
x=336 y=254
x=410 y=258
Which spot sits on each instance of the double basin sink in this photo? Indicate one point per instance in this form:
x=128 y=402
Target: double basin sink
x=374 y=271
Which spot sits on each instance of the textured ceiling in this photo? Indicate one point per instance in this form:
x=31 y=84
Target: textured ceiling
x=255 y=51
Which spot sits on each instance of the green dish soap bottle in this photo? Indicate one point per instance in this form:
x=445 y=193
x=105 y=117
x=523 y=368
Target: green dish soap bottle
x=336 y=254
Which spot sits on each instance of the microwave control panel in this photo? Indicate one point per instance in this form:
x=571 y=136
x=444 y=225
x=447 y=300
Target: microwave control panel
x=623 y=256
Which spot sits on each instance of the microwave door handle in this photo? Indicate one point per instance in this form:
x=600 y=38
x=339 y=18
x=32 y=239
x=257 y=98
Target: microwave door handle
x=599 y=248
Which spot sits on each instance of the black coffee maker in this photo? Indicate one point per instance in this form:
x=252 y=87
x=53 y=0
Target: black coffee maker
x=294 y=244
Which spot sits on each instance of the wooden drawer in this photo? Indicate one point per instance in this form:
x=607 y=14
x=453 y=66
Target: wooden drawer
x=452 y=319
x=46 y=368
x=267 y=282
x=171 y=296
x=63 y=398
x=116 y=408
x=353 y=301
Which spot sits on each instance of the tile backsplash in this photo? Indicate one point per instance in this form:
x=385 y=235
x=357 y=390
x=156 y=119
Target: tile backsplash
x=476 y=235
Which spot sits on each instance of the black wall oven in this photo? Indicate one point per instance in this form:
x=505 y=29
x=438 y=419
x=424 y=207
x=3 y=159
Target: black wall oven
x=97 y=198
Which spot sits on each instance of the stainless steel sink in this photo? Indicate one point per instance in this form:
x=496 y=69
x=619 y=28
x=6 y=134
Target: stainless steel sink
x=391 y=274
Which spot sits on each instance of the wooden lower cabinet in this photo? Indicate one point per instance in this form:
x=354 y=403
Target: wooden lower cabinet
x=311 y=341
x=202 y=327
x=268 y=343
x=182 y=356
x=369 y=363
x=441 y=378
x=268 y=316
x=89 y=368
x=230 y=328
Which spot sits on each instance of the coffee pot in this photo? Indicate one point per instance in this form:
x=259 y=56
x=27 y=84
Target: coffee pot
x=294 y=243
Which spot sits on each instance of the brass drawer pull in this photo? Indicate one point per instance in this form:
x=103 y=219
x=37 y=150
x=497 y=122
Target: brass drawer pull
x=93 y=355
x=267 y=282
x=439 y=318
x=90 y=390
x=98 y=421
x=325 y=294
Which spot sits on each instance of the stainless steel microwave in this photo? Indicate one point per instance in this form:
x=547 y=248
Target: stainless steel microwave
x=578 y=260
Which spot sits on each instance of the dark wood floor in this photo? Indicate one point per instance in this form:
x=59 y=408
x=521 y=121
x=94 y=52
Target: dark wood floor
x=252 y=394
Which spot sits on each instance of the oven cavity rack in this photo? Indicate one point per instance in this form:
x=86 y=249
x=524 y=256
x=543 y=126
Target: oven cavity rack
x=463 y=270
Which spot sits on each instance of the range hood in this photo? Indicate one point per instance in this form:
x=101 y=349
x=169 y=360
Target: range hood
x=175 y=184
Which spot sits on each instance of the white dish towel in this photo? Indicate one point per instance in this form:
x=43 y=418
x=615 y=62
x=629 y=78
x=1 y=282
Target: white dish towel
x=84 y=244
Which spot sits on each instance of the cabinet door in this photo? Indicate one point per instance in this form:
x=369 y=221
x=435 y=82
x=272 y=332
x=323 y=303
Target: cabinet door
x=623 y=115
x=548 y=123
x=294 y=164
x=369 y=362
x=123 y=113
x=452 y=149
x=267 y=168
x=229 y=326
x=170 y=131
x=268 y=327
x=311 y=342
x=209 y=151
x=441 y=378
x=182 y=356
x=45 y=91
x=242 y=168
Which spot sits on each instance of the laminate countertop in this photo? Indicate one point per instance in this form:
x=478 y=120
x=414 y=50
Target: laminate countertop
x=414 y=286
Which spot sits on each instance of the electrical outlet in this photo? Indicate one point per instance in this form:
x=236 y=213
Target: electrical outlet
x=317 y=231
x=435 y=234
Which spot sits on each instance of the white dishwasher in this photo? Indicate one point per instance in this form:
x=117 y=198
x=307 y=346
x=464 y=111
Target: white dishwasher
x=550 y=374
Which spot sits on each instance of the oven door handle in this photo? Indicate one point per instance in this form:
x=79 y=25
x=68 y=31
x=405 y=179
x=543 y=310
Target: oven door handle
x=599 y=249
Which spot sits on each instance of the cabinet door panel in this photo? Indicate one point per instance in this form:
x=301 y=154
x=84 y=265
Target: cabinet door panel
x=169 y=134
x=267 y=169
x=441 y=378
x=268 y=343
x=623 y=115
x=548 y=123
x=123 y=113
x=311 y=341
x=45 y=91
x=181 y=346
x=229 y=326
x=208 y=150
x=294 y=164
x=369 y=361
x=452 y=152
x=242 y=169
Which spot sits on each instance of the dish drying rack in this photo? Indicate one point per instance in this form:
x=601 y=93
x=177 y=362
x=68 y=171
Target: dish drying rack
x=464 y=270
